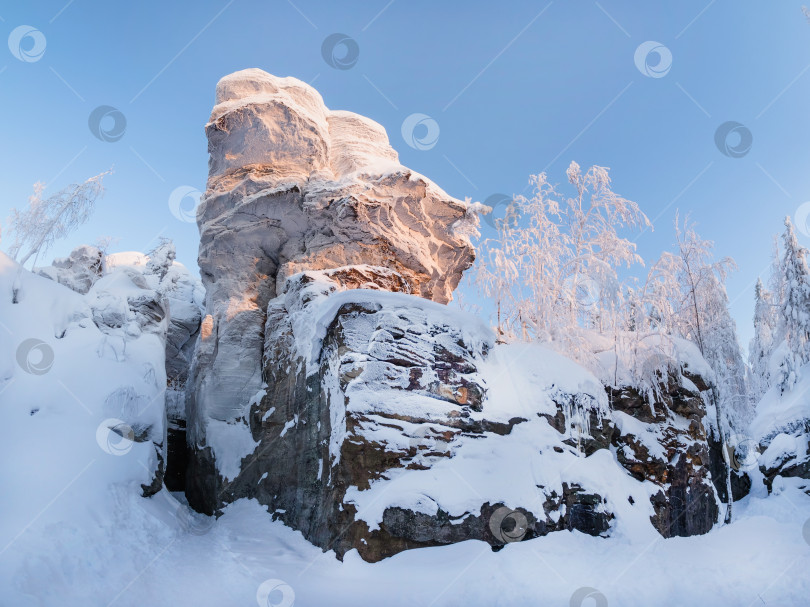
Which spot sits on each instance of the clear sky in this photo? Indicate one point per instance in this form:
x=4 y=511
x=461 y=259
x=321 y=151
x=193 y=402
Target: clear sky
x=515 y=88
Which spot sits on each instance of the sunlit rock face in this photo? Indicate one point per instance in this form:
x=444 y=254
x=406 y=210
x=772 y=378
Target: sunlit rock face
x=294 y=186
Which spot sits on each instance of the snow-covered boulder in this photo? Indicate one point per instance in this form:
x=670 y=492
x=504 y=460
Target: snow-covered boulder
x=129 y=294
x=780 y=432
x=377 y=428
x=169 y=286
x=136 y=292
x=91 y=366
x=79 y=270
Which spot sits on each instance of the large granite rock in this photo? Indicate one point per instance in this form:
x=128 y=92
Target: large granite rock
x=333 y=385
x=294 y=186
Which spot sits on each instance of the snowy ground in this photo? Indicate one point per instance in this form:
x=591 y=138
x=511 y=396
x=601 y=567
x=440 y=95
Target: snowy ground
x=144 y=554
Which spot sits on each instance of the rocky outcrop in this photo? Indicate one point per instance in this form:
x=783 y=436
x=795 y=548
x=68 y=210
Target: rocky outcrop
x=333 y=385
x=294 y=186
x=360 y=387
x=786 y=454
x=779 y=442
x=661 y=437
x=380 y=368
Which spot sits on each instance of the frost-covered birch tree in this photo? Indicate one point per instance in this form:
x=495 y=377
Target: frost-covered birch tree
x=552 y=268
x=699 y=312
x=47 y=220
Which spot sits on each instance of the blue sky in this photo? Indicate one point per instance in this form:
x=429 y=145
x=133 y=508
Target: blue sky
x=515 y=88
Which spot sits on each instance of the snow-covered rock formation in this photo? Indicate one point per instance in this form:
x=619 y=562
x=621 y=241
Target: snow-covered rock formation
x=76 y=530
x=79 y=270
x=780 y=441
x=294 y=186
x=130 y=294
x=102 y=352
x=328 y=386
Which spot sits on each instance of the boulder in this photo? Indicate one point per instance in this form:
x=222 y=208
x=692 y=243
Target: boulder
x=78 y=271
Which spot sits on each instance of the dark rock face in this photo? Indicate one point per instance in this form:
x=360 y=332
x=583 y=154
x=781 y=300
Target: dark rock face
x=392 y=386
x=368 y=355
x=719 y=467
x=582 y=511
x=669 y=447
